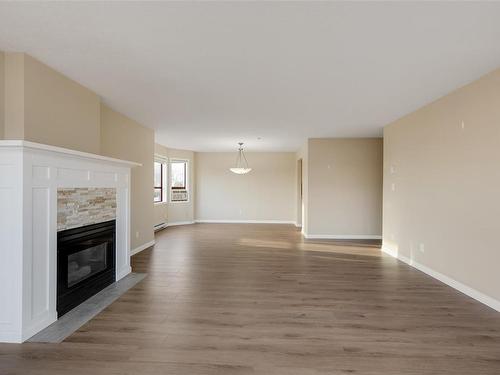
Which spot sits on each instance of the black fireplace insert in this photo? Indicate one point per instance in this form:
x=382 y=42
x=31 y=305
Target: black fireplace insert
x=85 y=263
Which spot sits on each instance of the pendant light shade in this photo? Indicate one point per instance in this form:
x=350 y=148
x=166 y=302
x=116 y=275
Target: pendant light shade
x=241 y=162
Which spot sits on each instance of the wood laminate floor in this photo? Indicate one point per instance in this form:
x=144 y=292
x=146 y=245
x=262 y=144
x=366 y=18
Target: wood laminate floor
x=258 y=299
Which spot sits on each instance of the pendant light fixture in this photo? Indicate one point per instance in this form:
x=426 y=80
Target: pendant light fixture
x=241 y=162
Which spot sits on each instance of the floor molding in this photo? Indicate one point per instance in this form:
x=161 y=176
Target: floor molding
x=246 y=221
x=138 y=249
x=175 y=223
x=341 y=236
x=467 y=290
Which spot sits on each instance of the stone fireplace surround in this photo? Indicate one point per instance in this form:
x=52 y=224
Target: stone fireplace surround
x=30 y=176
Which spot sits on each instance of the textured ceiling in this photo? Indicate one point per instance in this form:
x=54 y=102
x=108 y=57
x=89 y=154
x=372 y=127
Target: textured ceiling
x=206 y=75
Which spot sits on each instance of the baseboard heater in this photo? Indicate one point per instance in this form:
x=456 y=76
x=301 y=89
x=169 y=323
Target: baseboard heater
x=160 y=226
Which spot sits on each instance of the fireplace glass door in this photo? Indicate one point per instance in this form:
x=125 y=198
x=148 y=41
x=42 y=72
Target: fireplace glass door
x=86 y=263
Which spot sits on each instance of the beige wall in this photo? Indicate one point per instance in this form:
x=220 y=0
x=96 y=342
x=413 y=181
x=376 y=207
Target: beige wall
x=268 y=192
x=2 y=90
x=344 y=187
x=44 y=106
x=59 y=111
x=14 y=96
x=442 y=183
x=124 y=138
x=177 y=212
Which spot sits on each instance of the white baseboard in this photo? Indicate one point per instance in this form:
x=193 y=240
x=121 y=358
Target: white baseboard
x=298 y=225
x=467 y=290
x=123 y=272
x=174 y=223
x=341 y=236
x=138 y=249
x=11 y=337
x=246 y=221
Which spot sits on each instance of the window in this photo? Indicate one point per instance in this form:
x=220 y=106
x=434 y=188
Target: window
x=178 y=181
x=159 y=185
x=178 y=171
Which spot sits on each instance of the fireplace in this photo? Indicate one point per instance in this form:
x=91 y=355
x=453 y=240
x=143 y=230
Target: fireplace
x=85 y=263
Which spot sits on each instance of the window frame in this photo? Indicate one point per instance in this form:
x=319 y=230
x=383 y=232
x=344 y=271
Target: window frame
x=186 y=179
x=163 y=176
x=178 y=161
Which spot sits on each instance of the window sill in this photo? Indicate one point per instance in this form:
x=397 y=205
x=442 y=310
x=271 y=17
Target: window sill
x=160 y=203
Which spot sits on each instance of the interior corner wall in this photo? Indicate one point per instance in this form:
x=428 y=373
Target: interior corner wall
x=267 y=193
x=302 y=154
x=44 y=106
x=441 y=189
x=344 y=191
x=2 y=96
x=124 y=138
x=177 y=212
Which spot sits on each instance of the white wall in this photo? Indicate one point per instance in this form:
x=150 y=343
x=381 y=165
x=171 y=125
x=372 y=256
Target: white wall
x=441 y=188
x=267 y=193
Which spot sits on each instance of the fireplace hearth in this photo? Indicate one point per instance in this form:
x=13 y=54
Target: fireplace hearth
x=85 y=263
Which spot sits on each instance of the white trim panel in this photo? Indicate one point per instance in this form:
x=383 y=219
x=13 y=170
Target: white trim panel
x=467 y=290
x=65 y=151
x=30 y=175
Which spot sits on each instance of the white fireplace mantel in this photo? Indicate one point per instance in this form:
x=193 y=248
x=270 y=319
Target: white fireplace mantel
x=30 y=175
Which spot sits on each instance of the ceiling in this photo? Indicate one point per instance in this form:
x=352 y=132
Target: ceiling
x=206 y=75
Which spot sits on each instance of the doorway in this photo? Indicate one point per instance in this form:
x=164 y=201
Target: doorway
x=298 y=219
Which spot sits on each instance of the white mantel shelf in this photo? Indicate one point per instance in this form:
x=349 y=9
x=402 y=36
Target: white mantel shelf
x=65 y=151
x=30 y=175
